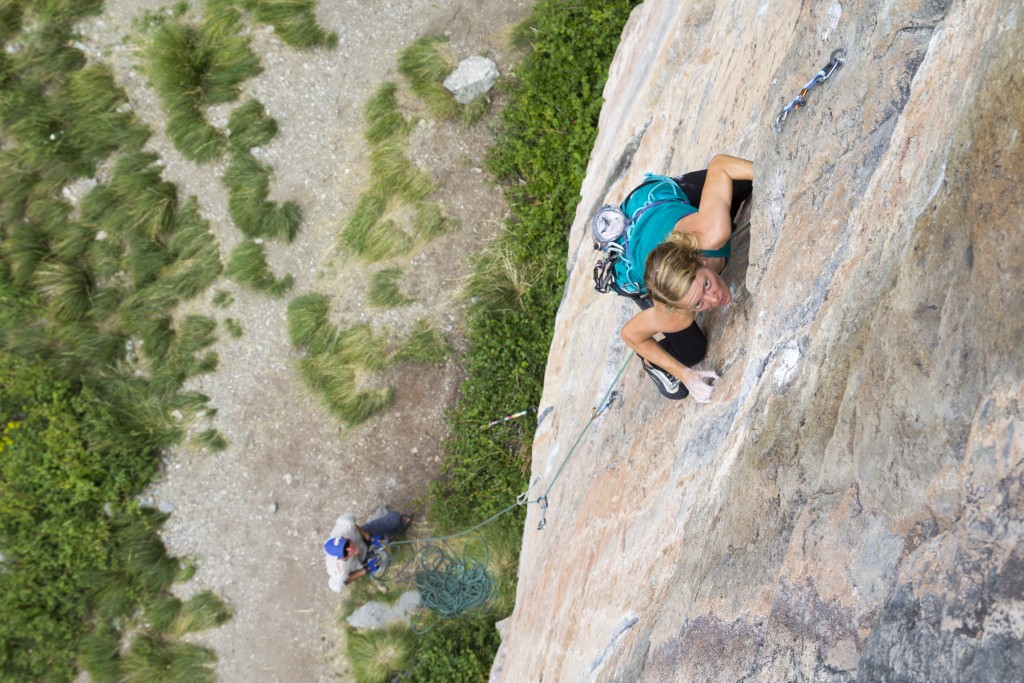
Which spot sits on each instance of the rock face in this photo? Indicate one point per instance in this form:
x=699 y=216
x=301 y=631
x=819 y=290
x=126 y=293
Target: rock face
x=851 y=504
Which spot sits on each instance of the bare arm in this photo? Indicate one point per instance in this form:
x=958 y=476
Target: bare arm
x=639 y=333
x=357 y=574
x=712 y=224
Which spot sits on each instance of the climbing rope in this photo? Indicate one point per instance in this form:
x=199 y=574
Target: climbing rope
x=451 y=588
x=836 y=60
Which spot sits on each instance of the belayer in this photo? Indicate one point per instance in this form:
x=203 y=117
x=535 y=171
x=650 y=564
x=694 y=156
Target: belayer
x=667 y=242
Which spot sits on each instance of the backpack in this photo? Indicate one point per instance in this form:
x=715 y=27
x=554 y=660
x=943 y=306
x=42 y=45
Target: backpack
x=612 y=230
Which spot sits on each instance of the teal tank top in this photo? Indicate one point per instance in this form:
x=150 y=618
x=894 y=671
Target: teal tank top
x=654 y=225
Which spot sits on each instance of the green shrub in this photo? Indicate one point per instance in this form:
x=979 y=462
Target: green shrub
x=458 y=650
x=544 y=141
x=57 y=471
x=248 y=266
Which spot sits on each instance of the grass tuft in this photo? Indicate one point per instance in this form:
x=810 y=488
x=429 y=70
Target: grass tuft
x=192 y=67
x=385 y=240
x=430 y=222
x=248 y=267
x=308 y=323
x=294 y=21
x=99 y=654
x=370 y=209
x=496 y=284
x=212 y=439
x=334 y=380
x=162 y=612
x=66 y=288
x=425 y=345
x=250 y=126
x=425 y=66
x=394 y=175
x=384 y=291
x=202 y=611
x=152 y=659
x=222 y=298
x=248 y=183
x=233 y=327
x=383 y=119
x=376 y=656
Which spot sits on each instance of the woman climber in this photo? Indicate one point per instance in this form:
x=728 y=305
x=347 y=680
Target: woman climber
x=677 y=248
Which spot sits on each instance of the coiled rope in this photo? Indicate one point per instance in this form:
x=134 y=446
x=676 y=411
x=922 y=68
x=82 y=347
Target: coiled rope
x=451 y=588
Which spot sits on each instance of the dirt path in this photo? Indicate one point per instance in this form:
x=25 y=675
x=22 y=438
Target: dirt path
x=254 y=515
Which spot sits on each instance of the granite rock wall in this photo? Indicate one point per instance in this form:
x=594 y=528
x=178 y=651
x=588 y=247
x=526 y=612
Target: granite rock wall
x=851 y=504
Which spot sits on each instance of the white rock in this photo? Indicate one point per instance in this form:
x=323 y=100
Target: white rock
x=473 y=77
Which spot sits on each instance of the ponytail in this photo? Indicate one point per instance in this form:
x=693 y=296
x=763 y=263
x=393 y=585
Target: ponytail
x=672 y=267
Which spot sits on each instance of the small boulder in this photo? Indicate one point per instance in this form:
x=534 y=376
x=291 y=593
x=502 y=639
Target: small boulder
x=474 y=76
x=375 y=615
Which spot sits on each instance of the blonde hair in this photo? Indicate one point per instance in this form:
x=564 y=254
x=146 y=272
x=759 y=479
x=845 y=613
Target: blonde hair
x=671 y=268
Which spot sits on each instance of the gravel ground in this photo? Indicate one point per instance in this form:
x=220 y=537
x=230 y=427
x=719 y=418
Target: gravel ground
x=254 y=515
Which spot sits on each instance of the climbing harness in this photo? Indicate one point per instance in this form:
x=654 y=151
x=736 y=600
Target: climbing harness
x=378 y=558
x=836 y=60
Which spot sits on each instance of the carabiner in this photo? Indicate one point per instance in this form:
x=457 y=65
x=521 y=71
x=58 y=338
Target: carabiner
x=835 y=60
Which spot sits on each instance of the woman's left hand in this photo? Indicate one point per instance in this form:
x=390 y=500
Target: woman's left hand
x=700 y=391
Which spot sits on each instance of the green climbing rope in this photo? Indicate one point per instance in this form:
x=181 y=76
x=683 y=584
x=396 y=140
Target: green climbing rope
x=451 y=588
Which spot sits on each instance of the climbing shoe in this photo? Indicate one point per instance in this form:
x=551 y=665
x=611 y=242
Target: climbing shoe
x=669 y=386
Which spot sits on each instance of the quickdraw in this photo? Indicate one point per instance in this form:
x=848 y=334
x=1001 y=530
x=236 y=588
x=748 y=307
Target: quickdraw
x=836 y=60
x=543 y=502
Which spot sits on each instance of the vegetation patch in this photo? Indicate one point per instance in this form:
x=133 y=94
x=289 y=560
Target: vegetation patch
x=294 y=21
x=195 y=66
x=544 y=142
x=96 y=253
x=384 y=291
x=425 y=66
x=248 y=267
x=248 y=183
x=376 y=656
x=425 y=345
